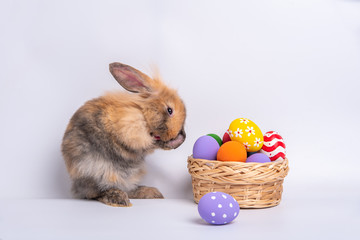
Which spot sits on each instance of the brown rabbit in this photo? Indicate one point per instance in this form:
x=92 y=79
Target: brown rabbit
x=108 y=137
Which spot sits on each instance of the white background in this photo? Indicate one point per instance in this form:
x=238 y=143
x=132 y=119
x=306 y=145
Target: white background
x=290 y=66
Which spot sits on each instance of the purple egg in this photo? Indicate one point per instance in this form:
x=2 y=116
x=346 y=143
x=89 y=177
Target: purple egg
x=250 y=153
x=206 y=147
x=218 y=208
x=259 y=158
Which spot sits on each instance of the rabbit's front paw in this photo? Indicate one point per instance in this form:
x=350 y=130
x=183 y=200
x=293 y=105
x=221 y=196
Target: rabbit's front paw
x=143 y=192
x=115 y=198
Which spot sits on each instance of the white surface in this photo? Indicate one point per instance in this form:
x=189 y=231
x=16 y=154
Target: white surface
x=302 y=217
x=290 y=66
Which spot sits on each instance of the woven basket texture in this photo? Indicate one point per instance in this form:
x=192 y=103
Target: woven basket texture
x=253 y=185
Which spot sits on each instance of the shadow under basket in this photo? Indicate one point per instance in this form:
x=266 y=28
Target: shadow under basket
x=253 y=185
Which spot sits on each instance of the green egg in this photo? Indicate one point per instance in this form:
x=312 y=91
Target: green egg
x=216 y=137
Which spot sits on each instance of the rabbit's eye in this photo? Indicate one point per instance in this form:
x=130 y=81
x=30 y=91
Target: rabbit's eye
x=170 y=111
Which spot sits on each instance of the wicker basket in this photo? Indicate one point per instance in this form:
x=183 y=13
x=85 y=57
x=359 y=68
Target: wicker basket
x=253 y=185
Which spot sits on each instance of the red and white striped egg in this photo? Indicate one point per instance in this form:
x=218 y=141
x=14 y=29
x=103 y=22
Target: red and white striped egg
x=274 y=146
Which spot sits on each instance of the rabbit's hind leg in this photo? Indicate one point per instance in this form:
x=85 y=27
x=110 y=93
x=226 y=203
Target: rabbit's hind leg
x=143 y=192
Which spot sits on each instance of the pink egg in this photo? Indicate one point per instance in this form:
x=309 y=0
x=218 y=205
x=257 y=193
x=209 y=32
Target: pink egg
x=226 y=137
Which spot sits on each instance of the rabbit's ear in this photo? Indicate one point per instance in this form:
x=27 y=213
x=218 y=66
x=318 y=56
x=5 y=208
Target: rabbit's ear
x=130 y=78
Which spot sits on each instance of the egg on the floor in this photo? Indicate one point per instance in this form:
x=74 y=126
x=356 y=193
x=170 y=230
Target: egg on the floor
x=218 y=208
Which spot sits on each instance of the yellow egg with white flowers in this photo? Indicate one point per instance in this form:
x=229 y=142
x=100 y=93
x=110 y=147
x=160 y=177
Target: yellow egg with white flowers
x=248 y=133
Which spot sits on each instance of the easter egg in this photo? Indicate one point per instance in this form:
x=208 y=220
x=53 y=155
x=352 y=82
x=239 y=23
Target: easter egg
x=216 y=137
x=218 y=208
x=226 y=137
x=248 y=133
x=258 y=157
x=206 y=147
x=274 y=146
x=232 y=151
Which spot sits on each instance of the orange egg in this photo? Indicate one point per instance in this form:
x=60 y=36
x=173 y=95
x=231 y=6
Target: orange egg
x=232 y=151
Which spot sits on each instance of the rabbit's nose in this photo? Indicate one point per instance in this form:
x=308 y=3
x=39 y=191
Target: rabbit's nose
x=176 y=142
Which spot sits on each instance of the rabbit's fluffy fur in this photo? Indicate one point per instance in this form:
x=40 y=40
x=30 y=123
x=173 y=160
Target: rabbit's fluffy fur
x=107 y=139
